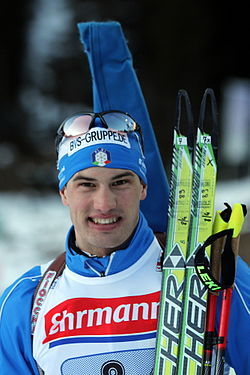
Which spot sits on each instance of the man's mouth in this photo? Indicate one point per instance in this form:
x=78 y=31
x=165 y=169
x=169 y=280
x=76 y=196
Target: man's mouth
x=103 y=221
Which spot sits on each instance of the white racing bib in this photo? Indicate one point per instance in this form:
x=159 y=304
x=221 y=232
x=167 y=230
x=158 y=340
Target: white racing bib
x=93 y=326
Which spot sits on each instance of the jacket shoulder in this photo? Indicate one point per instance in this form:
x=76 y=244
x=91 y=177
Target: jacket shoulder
x=15 y=327
x=21 y=287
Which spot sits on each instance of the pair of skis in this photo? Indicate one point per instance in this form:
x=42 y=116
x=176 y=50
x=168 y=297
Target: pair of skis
x=181 y=326
x=186 y=338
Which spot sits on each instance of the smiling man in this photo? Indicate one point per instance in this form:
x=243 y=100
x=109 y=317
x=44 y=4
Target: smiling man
x=104 y=207
x=99 y=314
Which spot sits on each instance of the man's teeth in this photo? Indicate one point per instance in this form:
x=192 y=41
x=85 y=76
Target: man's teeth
x=110 y=220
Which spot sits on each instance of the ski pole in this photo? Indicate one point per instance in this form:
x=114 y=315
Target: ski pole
x=236 y=221
x=226 y=263
x=220 y=223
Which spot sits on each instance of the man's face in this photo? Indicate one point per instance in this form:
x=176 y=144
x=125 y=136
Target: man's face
x=104 y=207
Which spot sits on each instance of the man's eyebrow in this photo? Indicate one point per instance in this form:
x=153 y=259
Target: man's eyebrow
x=122 y=175
x=80 y=177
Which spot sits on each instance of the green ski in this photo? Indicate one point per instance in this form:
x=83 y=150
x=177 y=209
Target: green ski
x=169 y=325
x=202 y=212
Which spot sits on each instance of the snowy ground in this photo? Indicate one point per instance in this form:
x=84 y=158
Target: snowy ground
x=33 y=226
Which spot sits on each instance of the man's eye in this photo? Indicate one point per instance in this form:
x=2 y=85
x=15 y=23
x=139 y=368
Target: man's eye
x=120 y=182
x=87 y=184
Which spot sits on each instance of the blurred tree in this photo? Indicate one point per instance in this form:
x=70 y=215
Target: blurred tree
x=13 y=25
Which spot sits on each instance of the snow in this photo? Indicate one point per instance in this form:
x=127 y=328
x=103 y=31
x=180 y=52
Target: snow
x=33 y=226
x=32 y=231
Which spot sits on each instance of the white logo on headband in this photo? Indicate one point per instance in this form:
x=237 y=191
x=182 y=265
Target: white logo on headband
x=101 y=157
x=97 y=136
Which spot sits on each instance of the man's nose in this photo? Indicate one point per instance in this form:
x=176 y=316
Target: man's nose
x=104 y=199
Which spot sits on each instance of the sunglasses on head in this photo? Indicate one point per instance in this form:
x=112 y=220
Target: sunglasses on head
x=81 y=123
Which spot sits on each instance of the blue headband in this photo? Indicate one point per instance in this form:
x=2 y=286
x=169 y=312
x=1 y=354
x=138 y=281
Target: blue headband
x=100 y=147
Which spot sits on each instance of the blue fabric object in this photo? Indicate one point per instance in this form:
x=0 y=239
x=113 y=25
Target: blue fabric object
x=100 y=148
x=115 y=86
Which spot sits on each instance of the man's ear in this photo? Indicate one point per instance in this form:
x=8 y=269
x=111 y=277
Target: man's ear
x=144 y=191
x=63 y=195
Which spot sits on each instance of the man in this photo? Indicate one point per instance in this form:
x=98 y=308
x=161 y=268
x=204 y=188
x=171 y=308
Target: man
x=100 y=315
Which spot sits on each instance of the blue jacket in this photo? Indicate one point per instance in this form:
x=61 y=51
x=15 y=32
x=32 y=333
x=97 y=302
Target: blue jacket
x=15 y=323
x=16 y=302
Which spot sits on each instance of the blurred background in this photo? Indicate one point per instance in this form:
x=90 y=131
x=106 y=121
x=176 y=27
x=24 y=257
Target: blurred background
x=45 y=76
